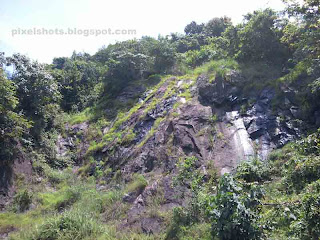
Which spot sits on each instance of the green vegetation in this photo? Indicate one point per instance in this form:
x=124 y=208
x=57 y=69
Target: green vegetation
x=138 y=184
x=68 y=225
x=76 y=189
x=231 y=206
x=220 y=67
x=277 y=200
x=12 y=124
x=80 y=117
x=22 y=201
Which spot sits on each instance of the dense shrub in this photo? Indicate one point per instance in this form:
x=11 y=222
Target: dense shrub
x=189 y=176
x=180 y=218
x=302 y=170
x=253 y=171
x=307 y=224
x=233 y=212
x=79 y=79
x=259 y=39
x=206 y=53
x=22 y=201
x=310 y=144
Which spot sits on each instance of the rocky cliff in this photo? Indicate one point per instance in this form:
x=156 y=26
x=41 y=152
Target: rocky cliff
x=210 y=118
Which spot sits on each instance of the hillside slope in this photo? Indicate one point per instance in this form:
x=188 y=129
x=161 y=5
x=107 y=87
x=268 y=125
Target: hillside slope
x=211 y=134
x=138 y=155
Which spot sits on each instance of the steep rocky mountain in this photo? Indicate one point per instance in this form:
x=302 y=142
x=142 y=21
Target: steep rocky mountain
x=211 y=134
x=202 y=116
x=207 y=117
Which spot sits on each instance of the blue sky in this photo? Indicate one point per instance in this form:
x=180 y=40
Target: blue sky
x=145 y=16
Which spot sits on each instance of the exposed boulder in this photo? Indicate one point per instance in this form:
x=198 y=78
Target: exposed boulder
x=159 y=196
x=218 y=92
x=64 y=145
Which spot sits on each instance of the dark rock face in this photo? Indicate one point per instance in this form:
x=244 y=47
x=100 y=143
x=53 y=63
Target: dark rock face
x=22 y=167
x=143 y=127
x=258 y=128
x=217 y=125
x=175 y=137
x=162 y=108
x=268 y=127
x=130 y=197
x=139 y=215
x=5 y=178
x=317 y=118
x=217 y=93
x=264 y=122
x=131 y=92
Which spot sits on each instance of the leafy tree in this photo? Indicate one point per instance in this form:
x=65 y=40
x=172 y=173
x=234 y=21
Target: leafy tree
x=59 y=62
x=133 y=60
x=161 y=54
x=124 y=67
x=259 y=39
x=187 y=43
x=303 y=35
x=164 y=56
x=12 y=124
x=79 y=80
x=232 y=36
x=213 y=51
x=37 y=91
x=193 y=28
x=216 y=26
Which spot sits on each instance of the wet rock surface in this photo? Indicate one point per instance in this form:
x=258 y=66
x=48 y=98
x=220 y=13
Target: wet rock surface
x=245 y=128
x=253 y=119
x=216 y=125
x=265 y=124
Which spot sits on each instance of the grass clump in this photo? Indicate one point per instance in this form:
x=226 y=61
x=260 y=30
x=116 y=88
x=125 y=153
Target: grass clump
x=11 y=220
x=138 y=184
x=128 y=138
x=81 y=117
x=67 y=226
x=221 y=67
x=94 y=147
x=61 y=199
x=57 y=176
